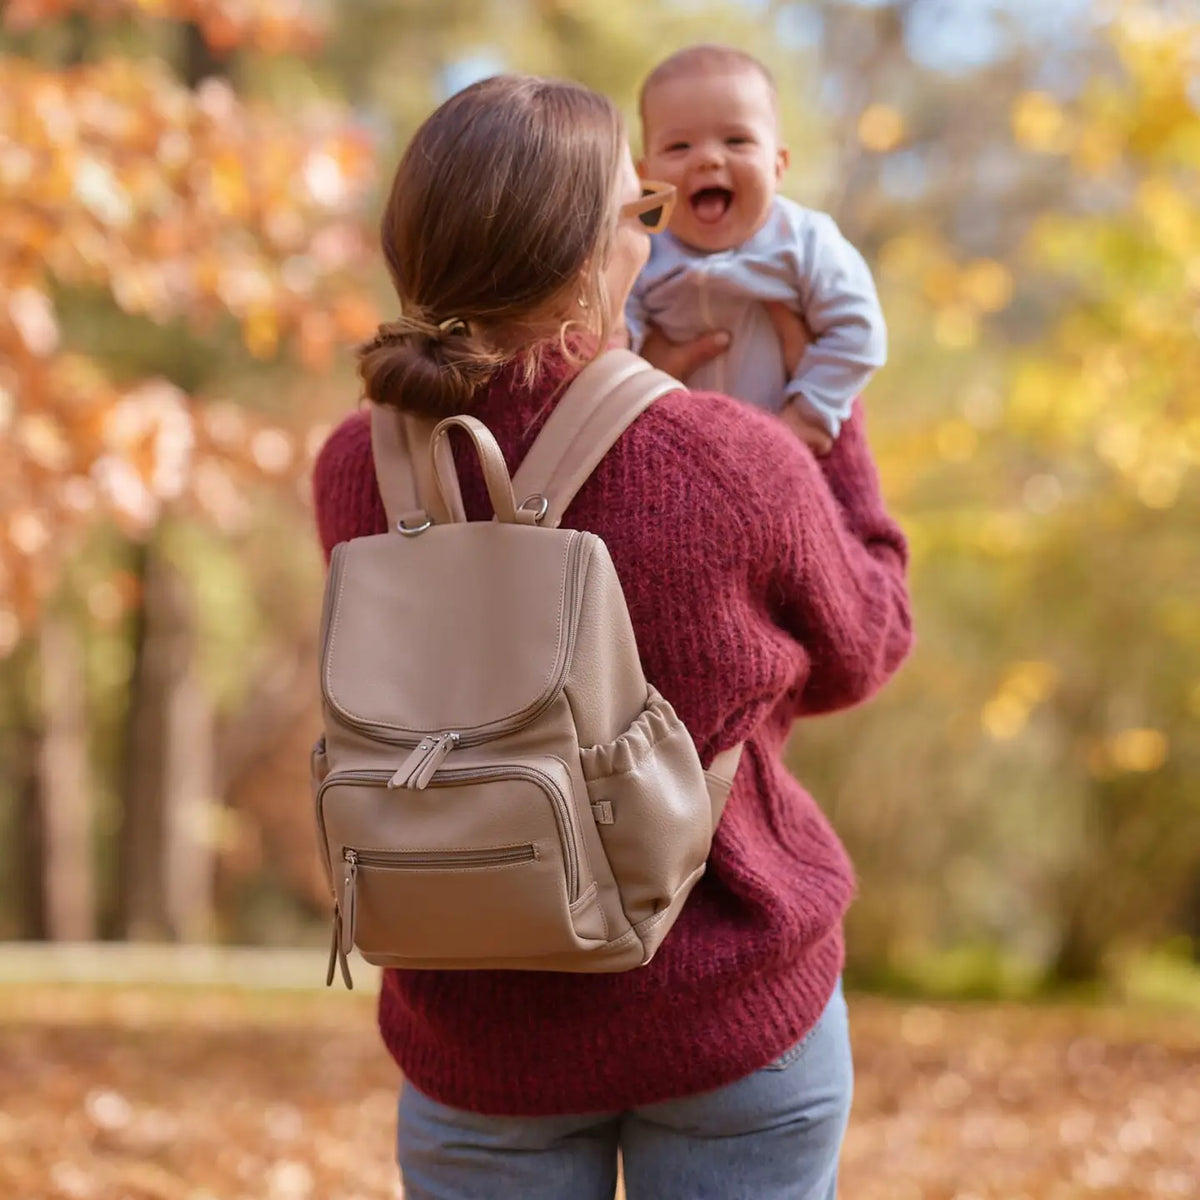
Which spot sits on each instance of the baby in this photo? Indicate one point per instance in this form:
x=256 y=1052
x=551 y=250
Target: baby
x=710 y=126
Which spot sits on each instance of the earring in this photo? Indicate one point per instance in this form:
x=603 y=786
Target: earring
x=583 y=302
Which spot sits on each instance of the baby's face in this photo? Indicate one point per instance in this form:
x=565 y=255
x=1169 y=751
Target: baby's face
x=714 y=135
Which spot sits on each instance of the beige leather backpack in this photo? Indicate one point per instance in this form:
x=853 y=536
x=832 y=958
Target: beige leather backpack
x=497 y=785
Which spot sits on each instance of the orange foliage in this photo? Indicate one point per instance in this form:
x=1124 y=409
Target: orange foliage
x=175 y=1093
x=182 y=205
x=269 y=26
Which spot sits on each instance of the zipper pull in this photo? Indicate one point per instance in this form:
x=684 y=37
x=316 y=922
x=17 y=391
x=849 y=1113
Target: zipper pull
x=412 y=762
x=418 y=768
x=333 y=947
x=349 y=911
x=434 y=759
x=335 y=953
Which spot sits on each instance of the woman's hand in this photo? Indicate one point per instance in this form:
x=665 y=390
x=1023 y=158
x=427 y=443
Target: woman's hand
x=794 y=336
x=680 y=359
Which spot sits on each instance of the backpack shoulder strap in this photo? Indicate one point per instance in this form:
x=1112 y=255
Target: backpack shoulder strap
x=602 y=401
x=405 y=473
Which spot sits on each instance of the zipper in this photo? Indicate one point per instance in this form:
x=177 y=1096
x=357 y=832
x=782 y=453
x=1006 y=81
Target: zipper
x=576 y=569
x=562 y=809
x=432 y=860
x=447 y=777
x=345 y=909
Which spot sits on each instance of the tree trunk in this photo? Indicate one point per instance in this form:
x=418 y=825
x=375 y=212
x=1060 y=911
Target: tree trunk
x=1190 y=917
x=198 y=60
x=141 y=839
x=166 y=853
x=23 y=863
x=1080 y=957
x=65 y=787
x=189 y=799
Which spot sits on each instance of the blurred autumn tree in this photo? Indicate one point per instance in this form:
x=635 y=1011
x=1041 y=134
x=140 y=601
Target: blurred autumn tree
x=1031 y=786
x=141 y=191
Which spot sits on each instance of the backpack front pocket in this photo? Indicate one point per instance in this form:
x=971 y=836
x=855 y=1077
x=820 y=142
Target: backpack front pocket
x=483 y=863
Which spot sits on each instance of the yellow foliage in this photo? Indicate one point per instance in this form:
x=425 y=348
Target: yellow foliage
x=956 y=327
x=956 y=441
x=1097 y=150
x=1004 y=717
x=940 y=282
x=1158 y=485
x=880 y=128
x=1002 y=535
x=1023 y=686
x=1138 y=750
x=907 y=255
x=1039 y=124
x=1173 y=217
x=987 y=284
x=1032 y=681
x=1036 y=387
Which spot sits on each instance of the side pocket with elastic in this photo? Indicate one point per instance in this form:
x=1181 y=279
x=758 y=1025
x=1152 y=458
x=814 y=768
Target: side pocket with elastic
x=651 y=805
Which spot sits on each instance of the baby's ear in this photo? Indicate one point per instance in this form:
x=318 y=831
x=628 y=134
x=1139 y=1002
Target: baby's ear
x=783 y=160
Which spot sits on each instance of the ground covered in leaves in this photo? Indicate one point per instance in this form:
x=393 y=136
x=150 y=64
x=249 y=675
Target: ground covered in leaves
x=185 y=1094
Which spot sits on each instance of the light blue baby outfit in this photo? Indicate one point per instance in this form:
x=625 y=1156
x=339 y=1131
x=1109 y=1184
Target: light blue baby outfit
x=799 y=256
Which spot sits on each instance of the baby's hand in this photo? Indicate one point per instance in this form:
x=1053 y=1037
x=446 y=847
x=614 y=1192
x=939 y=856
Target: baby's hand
x=803 y=421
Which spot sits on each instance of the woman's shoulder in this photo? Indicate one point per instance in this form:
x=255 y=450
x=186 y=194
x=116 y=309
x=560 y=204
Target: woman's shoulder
x=345 y=494
x=347 y=446
x=724 y=442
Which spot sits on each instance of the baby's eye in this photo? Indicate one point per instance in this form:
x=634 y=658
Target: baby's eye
x=737 y=140
x=675 y=146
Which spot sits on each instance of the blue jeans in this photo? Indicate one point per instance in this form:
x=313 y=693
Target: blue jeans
x=774 y=1135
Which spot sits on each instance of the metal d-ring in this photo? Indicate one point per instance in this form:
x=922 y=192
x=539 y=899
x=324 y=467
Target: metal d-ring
x=539 y=504
x=413 y=530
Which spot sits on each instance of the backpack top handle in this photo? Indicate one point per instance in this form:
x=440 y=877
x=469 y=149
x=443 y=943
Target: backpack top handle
x=491 y=461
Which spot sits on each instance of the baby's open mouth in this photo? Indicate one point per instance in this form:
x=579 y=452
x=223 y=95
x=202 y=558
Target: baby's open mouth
x=710 y=204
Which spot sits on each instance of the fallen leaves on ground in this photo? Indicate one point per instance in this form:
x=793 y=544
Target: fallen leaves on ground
x=189 y=1094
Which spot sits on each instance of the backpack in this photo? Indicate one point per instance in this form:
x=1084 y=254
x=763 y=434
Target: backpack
x=497 y=785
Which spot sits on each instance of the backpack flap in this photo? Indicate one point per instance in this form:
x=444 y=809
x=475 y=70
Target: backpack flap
x=410 y=644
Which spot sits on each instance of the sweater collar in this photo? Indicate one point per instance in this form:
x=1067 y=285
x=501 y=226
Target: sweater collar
x=515 y=407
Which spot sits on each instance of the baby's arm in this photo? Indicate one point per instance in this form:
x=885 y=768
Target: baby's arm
x=840 y=306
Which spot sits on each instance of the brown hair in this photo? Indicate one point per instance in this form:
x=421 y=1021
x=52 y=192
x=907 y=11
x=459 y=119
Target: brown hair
x=705 y=56
x=501 y=212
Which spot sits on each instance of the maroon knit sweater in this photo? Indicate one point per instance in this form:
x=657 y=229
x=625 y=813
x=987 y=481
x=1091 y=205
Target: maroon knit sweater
x=763 y=585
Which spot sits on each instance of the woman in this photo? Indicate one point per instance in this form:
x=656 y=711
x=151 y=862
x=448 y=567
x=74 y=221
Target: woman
x=762 y=585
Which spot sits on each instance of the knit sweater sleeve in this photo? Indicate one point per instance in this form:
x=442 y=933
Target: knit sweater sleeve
x=841 y=589
x=345 y=494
